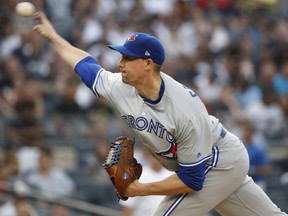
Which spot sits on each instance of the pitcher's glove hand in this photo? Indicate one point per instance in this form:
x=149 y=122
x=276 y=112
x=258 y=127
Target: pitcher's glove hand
x=121 y=166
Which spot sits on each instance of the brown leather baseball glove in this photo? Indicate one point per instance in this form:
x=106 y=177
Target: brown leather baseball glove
x=121 y=166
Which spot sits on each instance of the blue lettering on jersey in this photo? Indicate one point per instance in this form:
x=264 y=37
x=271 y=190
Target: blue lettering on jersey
x=143 y=124
x=191 y=92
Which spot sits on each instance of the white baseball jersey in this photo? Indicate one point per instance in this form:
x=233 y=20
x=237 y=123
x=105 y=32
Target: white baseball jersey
x=167 y=127
x=181 y=135
x=174 y=124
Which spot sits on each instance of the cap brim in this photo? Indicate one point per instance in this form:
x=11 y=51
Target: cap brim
x=123 y=50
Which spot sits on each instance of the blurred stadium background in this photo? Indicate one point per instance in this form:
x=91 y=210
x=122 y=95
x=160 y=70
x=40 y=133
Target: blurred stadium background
x=233 y=53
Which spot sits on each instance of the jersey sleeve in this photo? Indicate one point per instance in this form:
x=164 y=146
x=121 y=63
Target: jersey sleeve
x=88 y=69
x=100 y=81
x=194 y=151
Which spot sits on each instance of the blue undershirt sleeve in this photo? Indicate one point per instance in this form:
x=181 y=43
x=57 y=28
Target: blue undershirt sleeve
x=88 y=69
x=193 y=175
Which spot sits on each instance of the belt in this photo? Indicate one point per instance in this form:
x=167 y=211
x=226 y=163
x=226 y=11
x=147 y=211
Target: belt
x=223 y=133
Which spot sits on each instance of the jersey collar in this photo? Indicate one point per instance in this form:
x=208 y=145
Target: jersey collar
x=161 y=92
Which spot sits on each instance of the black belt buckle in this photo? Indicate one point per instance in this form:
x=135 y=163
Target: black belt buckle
x=223 y=133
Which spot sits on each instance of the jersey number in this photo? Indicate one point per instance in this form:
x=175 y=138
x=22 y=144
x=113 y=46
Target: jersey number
x=191 y=92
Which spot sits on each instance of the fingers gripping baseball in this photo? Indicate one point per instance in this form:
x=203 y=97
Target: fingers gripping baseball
x=45 y=28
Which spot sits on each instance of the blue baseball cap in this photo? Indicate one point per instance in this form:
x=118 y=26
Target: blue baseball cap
x=141 y=45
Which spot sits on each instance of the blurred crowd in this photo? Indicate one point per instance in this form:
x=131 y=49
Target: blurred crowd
x=233 y=53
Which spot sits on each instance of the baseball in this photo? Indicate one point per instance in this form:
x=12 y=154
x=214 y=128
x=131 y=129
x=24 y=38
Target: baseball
x=25 y=9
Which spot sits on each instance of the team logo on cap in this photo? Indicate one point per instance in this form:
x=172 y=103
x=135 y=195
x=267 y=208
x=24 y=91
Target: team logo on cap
x=132 y=37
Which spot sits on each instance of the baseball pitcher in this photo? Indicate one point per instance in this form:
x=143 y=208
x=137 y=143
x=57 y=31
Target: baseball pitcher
x=209 y=162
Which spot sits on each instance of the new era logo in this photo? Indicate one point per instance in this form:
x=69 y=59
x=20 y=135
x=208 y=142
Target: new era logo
x=147 y=53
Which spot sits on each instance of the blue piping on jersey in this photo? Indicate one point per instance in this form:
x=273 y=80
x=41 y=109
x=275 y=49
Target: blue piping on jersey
x=195 y=163
x=161 y=92
x=88 y=69
x=194 y=175
x=96 y=82
x=175 y=204
x=215 y=156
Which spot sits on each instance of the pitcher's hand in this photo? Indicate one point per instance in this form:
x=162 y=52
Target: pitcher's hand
x=135 y=189
x=45 y=28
